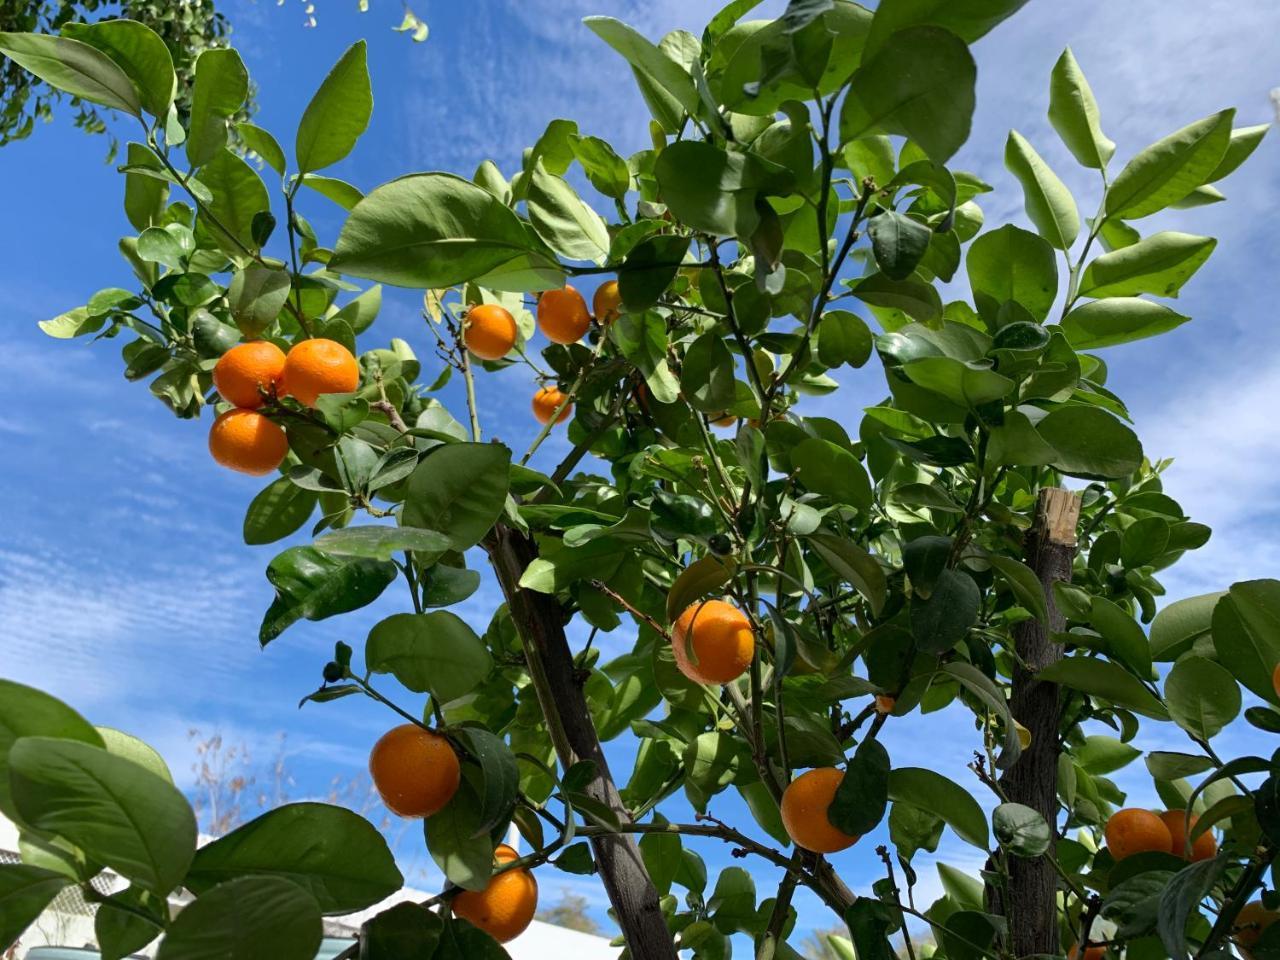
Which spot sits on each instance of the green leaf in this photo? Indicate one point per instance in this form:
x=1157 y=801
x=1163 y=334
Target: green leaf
x=854 y=565
x=1021 y=830
x=312 y=585
x=1178 y=626
x=339 y=191
x=832 y=471
x=1107 y=681
x=430 y=230
x=707 y=374
x=499 y=775
x=1159 y=264
x=381 y=542
x=607 y=171
x=1202 y=696
x=1246 y=634
x=257 y=295
x=863 y=794
x=1074 y=114
x=941 y=621
x=914 y=297
x=459 y=848
x=1116 y=320
x=28 y=712
x=74 y=67
x=661 y=855
x=564 y=220
x=843 y=337
x=1049 y=203
x=898 y=243
x=238 y=196
x=218 y=92
x=1091 y=443
x=919 y=84
x=1244 y=140
x=333 y=854
x=139 y=52
x=338 y=113
x=969 y=384
x=1024 y=584
x=1164 y=765
x=278 y=510
x=642 y=339
x=144 y=197
x=25 y=892
x=1181 y=899
x=261 y=142
x=253 y=918
x=985 y=689
x=434 y=653
x=1102 y=755
x=1170 y=168
x=967 y=19
x=714 y=190
x=648 y=60
x=1126 y=642
x=694 y=582
x=116 y=811
x=649 y=269
x=924 y=559
x=943 y=798
x=1012 y=264
x=460 y=490
x=405 y=930
x=121 y=744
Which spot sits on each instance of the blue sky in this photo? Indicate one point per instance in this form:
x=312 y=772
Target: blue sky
x=124 y=587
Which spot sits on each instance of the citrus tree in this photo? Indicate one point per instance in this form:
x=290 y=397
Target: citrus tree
x=786 y=588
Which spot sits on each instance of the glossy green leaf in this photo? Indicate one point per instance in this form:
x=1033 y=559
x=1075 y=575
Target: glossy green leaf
x=1049 y=203
x=312 y=585
x=1178 y=626
x=1021 y=830
x=218 y=93
x=28 y=712
x=967 y=384
x=832 y=471
x=1116 y=320
x=74 y=67
x=914 y=297
x=843 y=337
x=278 y=510
x=499 y=775
x=459 y=848
x=115 y=810
x=1246 y=634
x=854 y=565
x=919 y=84
x=1024 y=584
x=1170 y=168
x=898 y=243
x=969 y=20
x=943 y=798
x=257 y=295
x=261 y=142
x=339 y=191
x=1124 y=637
x=1073 y=111
x=564 y=220
x=1202 y=696
x=606 y=171
x=333 y=854
x=252 y=918
x=337 y=114
x=1012 y=264
x=1244 y=140
x=707 y=374
x=121 y=744
x=941 y=620
x=1090 y=443
x=238 y=196
x=434 y=653
x=25 y=892
x=861 y=799
x=1158 y=264
x=460 y=490
x=137 y=50
x=648 y=270
x=1107 y=681
x=986 y=690
x=647 y=59
x=381 y=542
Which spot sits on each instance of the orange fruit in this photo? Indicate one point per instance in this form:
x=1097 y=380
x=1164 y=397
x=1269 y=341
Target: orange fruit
x=722 y=642
x=1252 y=919
x=545 y=402
x=1204 y=847
x=562 y=315
x=489 y=331
x=724 y=420
x=1132 y=830
x=246 y=441
x=804 y=811
x=504 y=908
x=319 y=366
x=247 y=371
x=415 y=770
x=1275 y=679
x=606 y=302
x=885 y=704
x=1090 y=953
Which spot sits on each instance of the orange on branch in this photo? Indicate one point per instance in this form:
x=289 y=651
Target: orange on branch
x=505 y=907
x=319 y=366
x=247 y=371
x=724 y=420
x=545 y=402
x=804 y=812
x=722 y=640
x=606 y=302
x=1204 y=846
x=1275 y=679
x=1133 y=830
x=489 y=331
x=415 y=770
x=246 y=441
x=885 y=704
x=1090 y=953
x=562 y=315
x=1251 y=921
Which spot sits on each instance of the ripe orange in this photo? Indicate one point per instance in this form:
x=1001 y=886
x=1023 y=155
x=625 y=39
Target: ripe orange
x=562 y=315
x=885 y=704
x=1252 y=919
x=1204 y=847
x=1090 y=953
x=725 y=420
x=246 y=441
x=1275 y=679
x=606 y=302
x=722 y=642
x=545 y=402
x=489 y=331
x=804 y=811
x=1132 y=830
x=415 y=770
x=504 y=908
x=319 y=366
x=247 y=371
